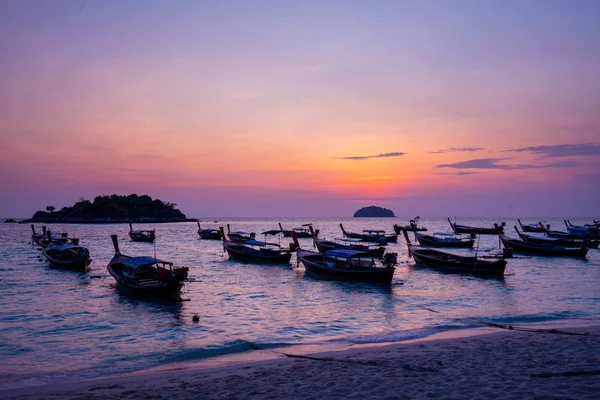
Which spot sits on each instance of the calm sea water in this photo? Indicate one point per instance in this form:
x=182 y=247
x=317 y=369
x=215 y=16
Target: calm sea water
x=58 y=325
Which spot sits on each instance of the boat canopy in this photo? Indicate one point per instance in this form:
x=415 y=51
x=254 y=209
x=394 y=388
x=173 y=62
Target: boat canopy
x=449 y=234
x=62 y=247
x=137 y=262
x=341 y=253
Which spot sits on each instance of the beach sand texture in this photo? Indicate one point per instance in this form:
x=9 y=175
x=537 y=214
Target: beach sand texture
x=503 y=365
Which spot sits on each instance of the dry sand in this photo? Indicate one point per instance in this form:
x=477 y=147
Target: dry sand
x=504 y=365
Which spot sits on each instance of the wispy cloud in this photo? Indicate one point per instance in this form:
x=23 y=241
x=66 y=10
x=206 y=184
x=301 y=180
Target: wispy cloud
x=563 y=150
x=383 y=155
x=457 y=149
x=459 y=173
x=494 y=163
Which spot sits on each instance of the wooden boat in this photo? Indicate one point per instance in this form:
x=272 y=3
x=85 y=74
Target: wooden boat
x=453 y=262
x=347 y=244
x=580 y=242
x=443 y=239
x=141 y=235
x=257 y=251
x=348 y=264
x=36 y=237
x=472 y=229
x=238 y=236
x=542 y=249
x=413 y=226
x=530 y=227
x=560 y=234
x=213 y=234
x=43 y=240
x=584 y=231
x=371 y=235
x=67 y=256
x=147 y=276
x=301 y=232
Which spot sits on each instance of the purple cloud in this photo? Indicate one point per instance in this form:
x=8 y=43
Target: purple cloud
x=493 y=163
x=383 y=155
x=563 y=150
x=457 y=149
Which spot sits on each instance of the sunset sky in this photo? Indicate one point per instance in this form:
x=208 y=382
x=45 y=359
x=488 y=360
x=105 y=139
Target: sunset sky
x=303 y=108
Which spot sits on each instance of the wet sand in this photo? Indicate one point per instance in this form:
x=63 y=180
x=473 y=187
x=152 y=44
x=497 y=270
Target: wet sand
x=496 y=363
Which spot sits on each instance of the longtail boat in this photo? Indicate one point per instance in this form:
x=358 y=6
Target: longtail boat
x=257 y=251
x=347 y=264
x=142 y=235
x=213 y=234
x=147 y=276
x=443 y=239
x=453 y=262
x=542 y=249
x=530 y=227
x=67 y=256
x=473 y=229
x=371 y=235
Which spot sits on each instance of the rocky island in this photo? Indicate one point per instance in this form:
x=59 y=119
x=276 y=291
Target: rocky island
x=113 y=209
x=374 y=212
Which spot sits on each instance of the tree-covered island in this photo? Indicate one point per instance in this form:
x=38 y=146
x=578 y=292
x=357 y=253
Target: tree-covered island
x=374 y=211
x=112 y=209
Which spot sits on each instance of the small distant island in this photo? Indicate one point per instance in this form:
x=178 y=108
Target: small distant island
x=374 y=212
x=113 y=209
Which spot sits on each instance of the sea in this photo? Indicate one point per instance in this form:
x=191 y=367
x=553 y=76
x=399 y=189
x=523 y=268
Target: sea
x=60 y=326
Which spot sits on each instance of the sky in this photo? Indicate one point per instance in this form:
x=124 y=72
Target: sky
x=303 y=108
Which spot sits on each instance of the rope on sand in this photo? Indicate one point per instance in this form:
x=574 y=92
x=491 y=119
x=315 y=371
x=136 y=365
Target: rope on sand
x=364 y=363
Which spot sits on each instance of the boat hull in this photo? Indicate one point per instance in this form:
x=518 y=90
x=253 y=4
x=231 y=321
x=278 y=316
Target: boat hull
x=210 y=235
x=324 y=245
x=547 y=250
x=75 y=265
x=431 y=241
x=453 y=263
x=141 y=238
x=243 y=253
x=315 y=263
x=160 y=290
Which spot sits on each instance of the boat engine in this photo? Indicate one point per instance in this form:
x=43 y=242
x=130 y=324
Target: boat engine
x=390 y=259
x=180 y=273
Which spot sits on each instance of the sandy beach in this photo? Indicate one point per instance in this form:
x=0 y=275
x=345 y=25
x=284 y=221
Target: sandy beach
x=504 y=364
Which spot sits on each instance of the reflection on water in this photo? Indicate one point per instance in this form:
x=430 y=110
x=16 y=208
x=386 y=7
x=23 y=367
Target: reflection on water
x=61 y=325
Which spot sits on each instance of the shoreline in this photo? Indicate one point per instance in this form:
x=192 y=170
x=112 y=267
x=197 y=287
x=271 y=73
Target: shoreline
x=459 y=363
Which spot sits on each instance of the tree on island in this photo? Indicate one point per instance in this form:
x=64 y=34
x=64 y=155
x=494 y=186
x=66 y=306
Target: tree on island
x=374 y=211
x=50 y=209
